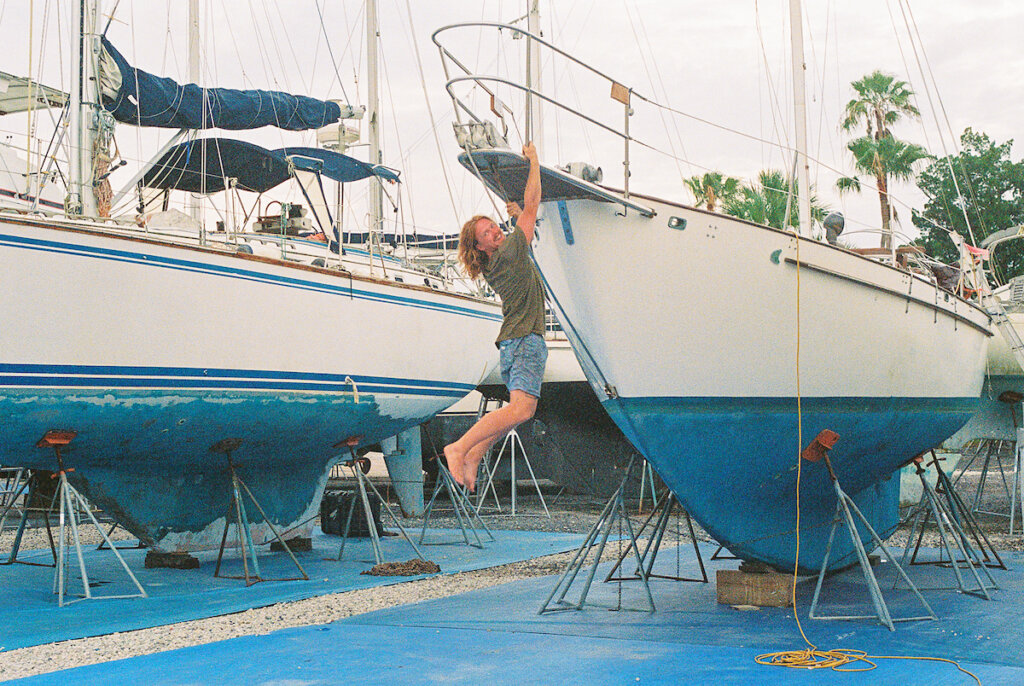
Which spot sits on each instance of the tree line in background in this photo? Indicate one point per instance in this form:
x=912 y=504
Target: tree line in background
x=979 y=187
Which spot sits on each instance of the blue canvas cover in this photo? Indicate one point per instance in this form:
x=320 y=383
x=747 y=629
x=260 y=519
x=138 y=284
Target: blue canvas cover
x=342 y=167
x=202 y=165
x=148 y=100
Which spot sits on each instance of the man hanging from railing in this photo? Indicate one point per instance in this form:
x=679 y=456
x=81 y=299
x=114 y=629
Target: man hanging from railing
x=505 y=263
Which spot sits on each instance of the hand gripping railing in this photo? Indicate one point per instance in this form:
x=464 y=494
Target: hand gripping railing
x=619 y=92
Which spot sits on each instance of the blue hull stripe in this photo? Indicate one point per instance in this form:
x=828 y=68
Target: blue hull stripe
x=234 y=273
x=80 y=376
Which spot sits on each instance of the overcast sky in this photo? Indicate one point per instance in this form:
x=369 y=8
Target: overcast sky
x=727 y=63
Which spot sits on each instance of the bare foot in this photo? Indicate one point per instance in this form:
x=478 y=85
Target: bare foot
x=455 y=463
x=471 y=469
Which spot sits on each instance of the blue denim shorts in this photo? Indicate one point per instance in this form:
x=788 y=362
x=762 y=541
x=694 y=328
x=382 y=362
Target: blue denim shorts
x=522 y=363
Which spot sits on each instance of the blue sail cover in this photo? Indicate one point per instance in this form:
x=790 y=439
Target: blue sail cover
x=147 y=100
x=341 y=167
x=202 y=165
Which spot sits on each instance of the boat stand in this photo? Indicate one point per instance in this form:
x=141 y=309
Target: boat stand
x=27 y=485
x=662 y=512
x=1017 y=495
x=991 y=452
x=72 y=506
x=356 y=465
x=515 y=447
x=244 y=542
x=466 y=514
x=138 y=545
x=845 y=509
x=647 y=477
x=614 y=513
x=960 y=513
x=931 y=508
x=514 y=443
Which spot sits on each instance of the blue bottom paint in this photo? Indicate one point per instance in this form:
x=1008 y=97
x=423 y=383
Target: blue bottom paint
x=145 y=458
x=733 y=464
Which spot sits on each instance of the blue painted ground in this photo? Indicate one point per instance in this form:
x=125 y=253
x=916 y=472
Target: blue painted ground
x=495 y=636
x=31 y=615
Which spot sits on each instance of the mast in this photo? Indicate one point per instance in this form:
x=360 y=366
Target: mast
x=81 y=199
x=372 y=106
x=195 y=207
x=800 y=108
x=534 y=127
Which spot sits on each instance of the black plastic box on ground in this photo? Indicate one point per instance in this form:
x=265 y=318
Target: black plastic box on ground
x=334 y=509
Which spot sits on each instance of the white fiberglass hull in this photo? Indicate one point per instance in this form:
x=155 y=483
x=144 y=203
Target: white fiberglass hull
x=690 y=338
x=153 y=352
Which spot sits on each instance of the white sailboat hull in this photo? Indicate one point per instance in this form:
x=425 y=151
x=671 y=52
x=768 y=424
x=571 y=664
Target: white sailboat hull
x=699 y=347
x=153 y=352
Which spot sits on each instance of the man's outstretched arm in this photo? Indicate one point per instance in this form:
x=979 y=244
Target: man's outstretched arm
x=531 y=196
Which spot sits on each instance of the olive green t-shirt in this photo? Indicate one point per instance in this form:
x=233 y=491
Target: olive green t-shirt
x=512 y=275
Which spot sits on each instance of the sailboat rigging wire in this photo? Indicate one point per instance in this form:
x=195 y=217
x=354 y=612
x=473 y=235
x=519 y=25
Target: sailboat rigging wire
x=781 y=134
x=330 y=50
x=110 y=17
x=433 y=125
x=963 y=206
x=480 y=79
x=661 y=114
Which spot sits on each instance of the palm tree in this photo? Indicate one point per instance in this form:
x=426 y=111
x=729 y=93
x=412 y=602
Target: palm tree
x=766 y=202
x=711 y=188
x=881 y=101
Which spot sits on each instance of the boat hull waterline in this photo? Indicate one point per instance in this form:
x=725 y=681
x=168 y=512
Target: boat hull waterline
x=154 y=352
x=686 y=325
x=703 y=378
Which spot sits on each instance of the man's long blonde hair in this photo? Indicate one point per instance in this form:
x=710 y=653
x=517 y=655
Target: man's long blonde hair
x=472 y=258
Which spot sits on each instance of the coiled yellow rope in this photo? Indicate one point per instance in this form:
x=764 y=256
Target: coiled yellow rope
x=810 y=657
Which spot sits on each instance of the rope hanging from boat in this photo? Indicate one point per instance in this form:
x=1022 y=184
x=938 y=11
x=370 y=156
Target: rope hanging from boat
x=836 y=659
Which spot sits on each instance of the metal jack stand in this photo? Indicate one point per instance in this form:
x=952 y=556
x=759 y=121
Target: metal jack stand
x=514 y=443
x=962 y=514
x=469 y=519
x=29 y=484
x=647 y=477
x=662 y=511
x=991 y=452
x=355 y=464
x=1017 y=497
x=245 y=544
x=930 y=507
x=72 y=504
x=614 y=512
x=845 y=508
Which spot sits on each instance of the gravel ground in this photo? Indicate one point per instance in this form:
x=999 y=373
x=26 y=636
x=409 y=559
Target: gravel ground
x=568 y=514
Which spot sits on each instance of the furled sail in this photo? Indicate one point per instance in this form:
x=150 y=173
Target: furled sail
x=137 y=97
x=202 y=166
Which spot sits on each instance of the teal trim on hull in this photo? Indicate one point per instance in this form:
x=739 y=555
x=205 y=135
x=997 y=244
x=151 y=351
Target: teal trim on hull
x=733 y=463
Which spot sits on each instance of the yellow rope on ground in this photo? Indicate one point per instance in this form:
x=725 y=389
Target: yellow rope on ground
x=811 y=657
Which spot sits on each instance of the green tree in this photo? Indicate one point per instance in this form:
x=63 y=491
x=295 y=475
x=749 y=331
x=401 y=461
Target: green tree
x=765 y=202
x=711 y=188
x=980 y=185
x=881 y=101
